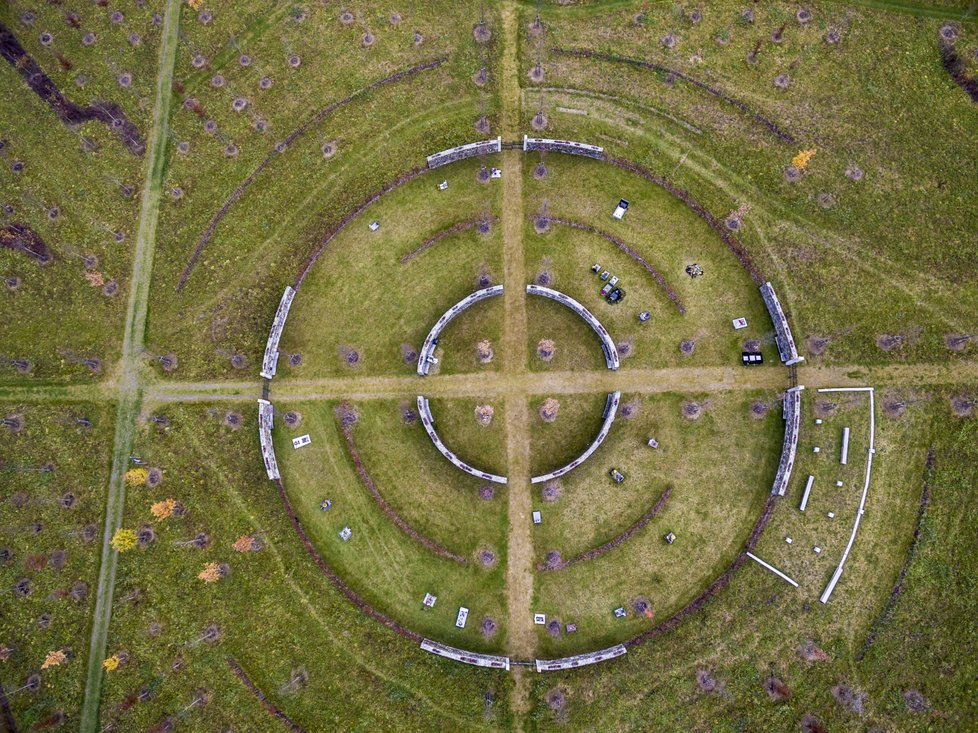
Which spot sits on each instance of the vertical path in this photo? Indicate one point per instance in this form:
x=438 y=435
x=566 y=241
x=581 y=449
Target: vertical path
x=129 y=396
x=519 y=575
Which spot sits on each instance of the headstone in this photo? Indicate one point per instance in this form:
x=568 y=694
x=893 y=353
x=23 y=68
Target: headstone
x=818 y=550
x=788 y=540
x=620 y=612
x=301 y=441
x=346 y=533
x=429 y=600
x=374 y=226
x=739 y=323
x=443 y=185
x=463 y=614
x=537 y=518
x=539 y=619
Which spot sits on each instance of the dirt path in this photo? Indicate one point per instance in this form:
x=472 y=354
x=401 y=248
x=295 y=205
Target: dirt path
x=129 y=392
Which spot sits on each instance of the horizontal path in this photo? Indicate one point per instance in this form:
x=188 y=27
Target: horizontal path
x=643 y=381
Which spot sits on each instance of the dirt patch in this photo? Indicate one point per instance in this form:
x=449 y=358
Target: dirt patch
x=169 y=362
x=687 y=347
x=810 y=724
x=481 y=77
x=631 y=408
x=849 y=698
x=347 y=415
x=642 y=606
x=487 y=492
x=958 y=341
x=486 y=557
x=488 y=627
x=483 y=414
x=549 y=409
x=556 y=699
x=482 y=175
x=552 y=491
x=540 y=171
x=963 y=405
x=758 y=409
x=546 y=349
x=349 y=355
x=484 y=278
x=292 y=418
x=539 y=122
x=916 y=702
x=890 y=341
x=825 y=408
x=954 y=65
x=708 y=683
x=536 y=74
x=777 y=690
x=482 y=125
x=809 y=651
x=894 y=406
x=816 y=345
x=552 y=560
x=692 y=410
x=553 y=628
x=409 y=354
x=21 y=238
x=481 y=32
x=484 y=352
x=233 y=420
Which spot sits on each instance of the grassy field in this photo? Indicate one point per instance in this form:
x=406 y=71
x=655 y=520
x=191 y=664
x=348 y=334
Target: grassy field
x=276 y=614
x=719 y=485
x=389 y=569
x=54 y=462
x=827 y=140
x=75 y=187
x=354 y=275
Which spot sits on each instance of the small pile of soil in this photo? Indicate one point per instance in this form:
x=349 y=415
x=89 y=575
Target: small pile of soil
x=418 y=38
x=487 y=492
x=707 y=682
x=687 y=347
x=849 y=698
x=540 y=171
x=239 y=361
x=668 y=41
x=535 y=27
x=295 y=359
x=67 y=500
x=409 y=354
x=145 y=536
x=346 y=18
x=233 y=420
x=541 y=224
x=691 y=410
x=481 y=77
x=776 y=689
x=792 y=174
x=481 y=32
x=549 y=409
x=552 y=490
x=487 y=558
x=295 y=61
x=810 y=652
x=752 y=345
x=536 y=74
x=329 y=149
x=408 y=415
x=641 y=605
x=833 y=36
x=482 y=125
x=553 y=628
x=546 y=349
x=826 y=200
x=556 y=699
x=488 y=627
x=539 y=122
x=484 y=226
x=957 y=341
x=483 y=351
x=347 y=415
x=803 y=16
x=552 y=559
x=368 y=40
x=292 y=418
x=484 y=279
x=349 y=355
x=916 y=702
x=58 y=559
x=854 y=173
x=483 y=414
x=782 y=81
x=810 y=724
x=890 y=341
x=625 y=348
x=169 y=362
x=758 y=409
x=482 y=176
